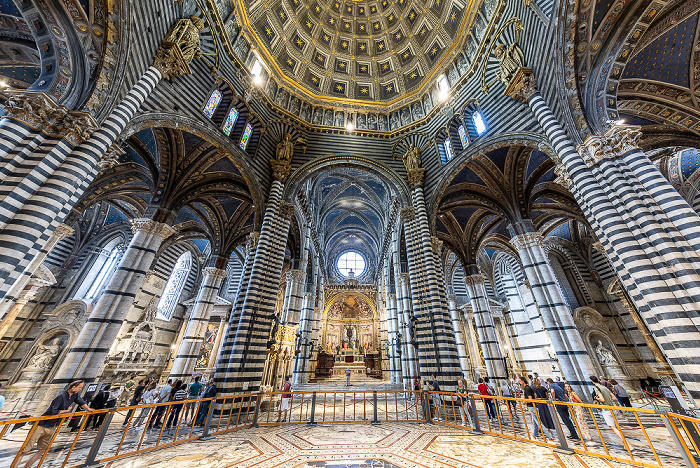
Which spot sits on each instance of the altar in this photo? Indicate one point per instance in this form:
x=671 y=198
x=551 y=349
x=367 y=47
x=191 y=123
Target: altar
x=349 y=359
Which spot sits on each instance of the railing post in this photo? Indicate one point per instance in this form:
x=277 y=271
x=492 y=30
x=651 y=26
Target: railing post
x=313 y=410
x=205 y=433
x=679 y=445
x=475 y=417
x=99 y=438
x=375 y=421
x=426 y=407
x=258 y=399
x=562 y=447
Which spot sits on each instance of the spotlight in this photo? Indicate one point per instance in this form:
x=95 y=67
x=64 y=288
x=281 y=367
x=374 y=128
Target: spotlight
x=349 y=126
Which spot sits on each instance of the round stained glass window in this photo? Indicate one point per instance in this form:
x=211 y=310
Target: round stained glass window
x=351 y=261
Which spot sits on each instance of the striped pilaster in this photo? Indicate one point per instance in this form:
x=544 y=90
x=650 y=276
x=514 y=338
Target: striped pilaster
x=575 y=363
x=293 y=297
x=486 y=329
x=242 y=358
x=90 y=348
x=409 y=364
x=657 y=287
x=459 y=336
x=196 y=326
x=393 y=334
x=301 y=360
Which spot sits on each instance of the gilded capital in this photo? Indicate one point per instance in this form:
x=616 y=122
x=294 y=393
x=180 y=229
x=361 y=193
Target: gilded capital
x=474 y=280
x=286 y=210
x=416 y=177
x=436 y=244
x=180 y=46
x=110 y=158
x=149 y=226
x=527 y=240
x=280 y=169
x=251 y=242
x=408 y=213
x=215 y=272
x=562 y=178
x=522 y=86
x=62 y=231
x=618 y=140
x=78 y=127
x=295 y=275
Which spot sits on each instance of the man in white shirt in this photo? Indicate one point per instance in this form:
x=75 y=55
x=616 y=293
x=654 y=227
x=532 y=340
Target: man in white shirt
x=163 y=397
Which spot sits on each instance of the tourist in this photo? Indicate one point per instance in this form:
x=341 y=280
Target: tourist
x=529 y=378
x=434 y=386
x=622 y=396
x=178 y=393
x=578 y=412
x=543 y=383
x=463 y=402
x=347 y=377
x=2 y=399
x=607 y=384
x=558 y=393
x=148 y=397
x=42 y=432
x=138 y=392
x=193 y=394
x=163 y=397
x=286 y=400
x=488 y=402
x=508 y=391
x=209 y=392
x=98 y=402
x=529 y=394
x=541 y=393
x=603 y=396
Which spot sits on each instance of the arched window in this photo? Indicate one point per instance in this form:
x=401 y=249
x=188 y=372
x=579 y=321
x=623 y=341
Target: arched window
x=479 y=123
x=230 y=120
x=246 y=136
x=101 y=270
x=463 y=137
x=212 y=103
x=448 y=149
x=351 y=261
x=172 y=291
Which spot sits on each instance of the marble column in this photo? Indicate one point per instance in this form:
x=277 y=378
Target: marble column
x=393 y=333
x=486 y=329
x=576 y=365
x=196 y=325
x=90 y=348
x=409 y=364
x=300 y=374
x=459 y=336
x=293 y=297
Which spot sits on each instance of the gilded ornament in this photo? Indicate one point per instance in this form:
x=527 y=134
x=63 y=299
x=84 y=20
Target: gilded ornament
x=180 y=46
x=523 y=85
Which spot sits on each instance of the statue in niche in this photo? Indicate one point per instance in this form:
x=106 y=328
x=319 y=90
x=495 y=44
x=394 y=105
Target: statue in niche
x=294 y=106
x=318 y=116
x=394 y=120
x=605 y=356
x=470 y=49
x=186 y=35
x=382 y=123
x=490 y=6
x=411 y=159
x=452 y=75
x=271 y=88
x=339 y=119
x=285 y=149
x=306 y=113
x=479 y=28
x=417 y=111
x=405 y=116
x=427 y=103
x=45 y=355
x=241 y=48
x=328 y=119
x=511 y=59
x=371 y=122
x=361 y=121
x=282 y=98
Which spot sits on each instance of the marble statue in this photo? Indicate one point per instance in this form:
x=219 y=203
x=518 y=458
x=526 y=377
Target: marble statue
x=605 y=356
x=361 y=121
x=339 y=119
x=306 y=113
x=461 y=64
x=372 y=122
x=511 y=60
x=282 y=99
x=45 y=355
x=318 y=116
x=394 y=120
x=427 y=103
x=382 y=123
x=294 y=106
x=417 y=111
x=328 y=119
x=405 y=116
x=411 y=159
x=285 y=149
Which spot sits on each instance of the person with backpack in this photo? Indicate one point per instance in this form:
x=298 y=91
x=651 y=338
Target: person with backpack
x=178 y=393
x=193 y=394
x=603 y=396
x=286 y=400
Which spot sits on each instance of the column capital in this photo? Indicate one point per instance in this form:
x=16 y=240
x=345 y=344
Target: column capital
x=474 y=280
x=408 y=213
x=62 y=231
x=392 y=297
x=41 y=112
x=280 y=169
x=452 y=297
x=295 y=275
x=180 y=46
x=405 y=278
x=416 y=177
x=215 y=272
x=522 y=86
x=436 y=244
x=527 y=240
x=562 y=178
x=110 y=158
x=617 y=140
x=149 y=226
x=286 y=210
x=251 y=242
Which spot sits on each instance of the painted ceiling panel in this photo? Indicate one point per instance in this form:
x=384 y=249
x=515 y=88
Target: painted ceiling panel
x=229 y=205
x=498 y=157
x=466 y=175
x=148 y=139
x=185 y=214
x=115 y=215
x=689 y=161
x=224 y=165
x=131 y=156
x=536 y=158
x=26 y=74
x=8 y=7
x=601 y=8
x=634 y=120
x=667 y=58
x=201 y=244
x=562 y=231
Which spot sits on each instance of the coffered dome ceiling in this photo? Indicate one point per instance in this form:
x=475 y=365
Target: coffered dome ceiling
x=369 y=53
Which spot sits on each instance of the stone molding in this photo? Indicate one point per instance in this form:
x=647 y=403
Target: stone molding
x=110 y=158
x=251 y=242
x=295 y=275
x=617 y=140
x=41 y=112
x=562 y=178
x=474 y=280
x=436 y=244
x=416 y=177
x=62 y=231
x=408 y=213
x=280 y=169
x=215 y=272
x=527 y=240
x=523 y=86
x=149 y=226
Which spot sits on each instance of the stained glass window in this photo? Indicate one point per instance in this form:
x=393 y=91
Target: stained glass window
x=212 y=103
x=104 y=266
x=463 y=136
x=448 y=149
x=172 y=291
x=351 y=261
x=479 y=123
x=246 y=136
x=230 y=120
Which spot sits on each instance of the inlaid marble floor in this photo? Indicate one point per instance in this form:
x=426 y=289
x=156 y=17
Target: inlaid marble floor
x=389 y=445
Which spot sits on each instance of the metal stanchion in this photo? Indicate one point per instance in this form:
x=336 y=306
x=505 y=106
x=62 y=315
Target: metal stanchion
x=375 y=421
x=313 y=410
x=257 y=409
x=562 y=446
x=475 y=417
x=205 y=433
x=426 y=407
x=92 y=455
x=679 y=445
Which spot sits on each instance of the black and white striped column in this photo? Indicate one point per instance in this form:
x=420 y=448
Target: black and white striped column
x=575 y=363
x=393 y=332
x=90 y=348
x=486 y=329
x=306 y=323
x=459 y=336
x=196 y=326
x=293 y=297
x=409 y=363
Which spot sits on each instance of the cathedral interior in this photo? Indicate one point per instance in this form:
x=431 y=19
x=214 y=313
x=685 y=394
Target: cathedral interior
x=257 y=192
